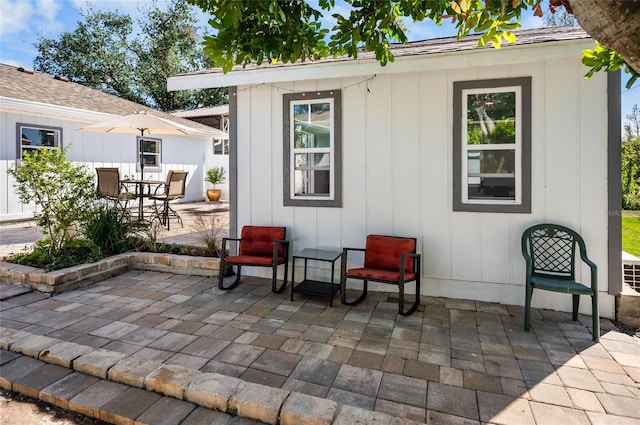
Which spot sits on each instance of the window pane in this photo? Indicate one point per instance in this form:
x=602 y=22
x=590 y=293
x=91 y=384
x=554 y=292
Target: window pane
x=311 y=182
x=35 y=137
x=150 y=160
x=150 y=146
x=492 y=187
x=312 y=125
x=491 y=118
x=491 y=174
x=312 y=160
x=494 y=161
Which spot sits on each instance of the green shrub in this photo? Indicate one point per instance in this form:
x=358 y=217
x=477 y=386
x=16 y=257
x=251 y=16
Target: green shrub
x=73 y=252
x=62 y=191
x=111 y=227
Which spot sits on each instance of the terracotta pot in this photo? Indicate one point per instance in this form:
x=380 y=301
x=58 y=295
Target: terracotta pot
x=214 y=194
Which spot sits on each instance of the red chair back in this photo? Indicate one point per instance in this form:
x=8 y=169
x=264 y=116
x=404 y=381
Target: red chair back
x=383 y=252
x=259 y=240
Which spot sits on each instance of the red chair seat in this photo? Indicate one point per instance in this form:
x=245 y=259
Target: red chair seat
x=378 y=274
x=250 y=260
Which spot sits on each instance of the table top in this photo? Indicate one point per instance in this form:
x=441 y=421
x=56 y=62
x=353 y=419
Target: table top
x=143 y=181
x=319 y=254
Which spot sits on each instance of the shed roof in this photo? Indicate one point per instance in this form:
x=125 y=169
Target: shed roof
x=269 y=72
x=47 y=89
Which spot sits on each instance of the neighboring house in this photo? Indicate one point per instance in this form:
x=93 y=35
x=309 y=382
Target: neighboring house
x=460 y=146
x=40 y=111
x=216 y=117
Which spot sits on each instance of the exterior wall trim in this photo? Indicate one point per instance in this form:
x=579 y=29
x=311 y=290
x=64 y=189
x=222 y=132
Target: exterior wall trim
x=614 y=174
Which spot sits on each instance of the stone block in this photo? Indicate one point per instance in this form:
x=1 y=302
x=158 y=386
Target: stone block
x=90 y=401
x=60 y=392
x=31 y=384
x=64 y=353
x=258 y=402
x=133 y=370
x=16 y=369
x=302 y=409
x=126 y=407
x=97 y=362
x=349 y=415
x=170 y=380
x=213 y=390
x=9 y=336
x=33 y=345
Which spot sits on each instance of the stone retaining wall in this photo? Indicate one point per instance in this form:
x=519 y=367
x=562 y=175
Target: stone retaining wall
x=63 y=280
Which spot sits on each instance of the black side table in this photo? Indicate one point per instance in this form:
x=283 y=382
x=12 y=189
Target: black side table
x=316 y=287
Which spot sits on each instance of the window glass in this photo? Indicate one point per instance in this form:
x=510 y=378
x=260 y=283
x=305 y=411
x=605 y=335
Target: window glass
x=33 y=138
x=221 y=147
x=312 y=149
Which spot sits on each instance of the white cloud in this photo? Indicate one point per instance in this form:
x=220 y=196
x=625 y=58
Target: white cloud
x=15 y=17
x=47 y=15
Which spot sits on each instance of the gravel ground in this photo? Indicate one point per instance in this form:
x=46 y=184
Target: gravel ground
x=16 y=409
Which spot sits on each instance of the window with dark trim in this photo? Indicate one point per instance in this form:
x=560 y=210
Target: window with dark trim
x=312 y=149
x=31 y=137
x=149 y=151
x=492 y=145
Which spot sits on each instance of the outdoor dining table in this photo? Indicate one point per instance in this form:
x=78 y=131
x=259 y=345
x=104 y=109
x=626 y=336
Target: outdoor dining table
x=140 y=192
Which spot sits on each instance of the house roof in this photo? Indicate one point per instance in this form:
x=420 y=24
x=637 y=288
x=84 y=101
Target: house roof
x=46 y=89
x=203 y=112
x=252 y=73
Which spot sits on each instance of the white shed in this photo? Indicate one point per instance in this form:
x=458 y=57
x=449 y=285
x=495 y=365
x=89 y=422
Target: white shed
x=40 y=111
x=339 y=148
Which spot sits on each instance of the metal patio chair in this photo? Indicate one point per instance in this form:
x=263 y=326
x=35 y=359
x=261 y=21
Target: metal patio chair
x=173 y=189
x=110 y=186
x=261 y=246
x=387 y=259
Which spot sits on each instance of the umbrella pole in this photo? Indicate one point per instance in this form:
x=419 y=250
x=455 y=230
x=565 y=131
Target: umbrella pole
x=141 y=184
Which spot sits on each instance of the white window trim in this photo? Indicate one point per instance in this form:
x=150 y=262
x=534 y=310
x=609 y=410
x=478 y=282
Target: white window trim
x=517 y=146
x=294 y=151
x=151 y=168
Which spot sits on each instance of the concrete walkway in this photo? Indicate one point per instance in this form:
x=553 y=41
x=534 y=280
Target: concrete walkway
x=158 y=348
x=19 y=237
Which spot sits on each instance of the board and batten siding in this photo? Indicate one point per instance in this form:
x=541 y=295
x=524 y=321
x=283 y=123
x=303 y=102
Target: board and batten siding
x=99 y=150
x=397 y=176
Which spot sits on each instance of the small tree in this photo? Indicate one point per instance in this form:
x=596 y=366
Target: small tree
x=62 y=191
x=631 y=161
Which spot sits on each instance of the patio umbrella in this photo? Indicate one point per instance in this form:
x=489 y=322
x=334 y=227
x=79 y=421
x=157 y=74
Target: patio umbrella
x=146 y=124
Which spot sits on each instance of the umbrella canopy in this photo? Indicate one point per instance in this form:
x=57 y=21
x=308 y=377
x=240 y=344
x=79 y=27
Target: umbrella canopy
x=145 y=124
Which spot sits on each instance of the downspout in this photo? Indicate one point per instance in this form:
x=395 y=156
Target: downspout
x=233 y=162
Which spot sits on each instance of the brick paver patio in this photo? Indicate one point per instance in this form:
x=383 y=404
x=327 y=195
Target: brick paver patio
x=453 y=361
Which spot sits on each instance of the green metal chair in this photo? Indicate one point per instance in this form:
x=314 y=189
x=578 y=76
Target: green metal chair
x=550 y=254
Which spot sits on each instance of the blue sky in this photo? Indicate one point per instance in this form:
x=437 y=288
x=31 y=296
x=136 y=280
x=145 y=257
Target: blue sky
x=23 y=22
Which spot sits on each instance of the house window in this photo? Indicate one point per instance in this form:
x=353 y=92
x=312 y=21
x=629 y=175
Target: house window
x=220 y=146
x=312 y=149
x=34 y=137
x=492 y=145
x=150 y=151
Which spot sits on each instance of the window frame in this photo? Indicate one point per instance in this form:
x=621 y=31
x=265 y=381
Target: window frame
x=139 y=153
x=522 y=145
x=21 y=125
x=334 y=199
